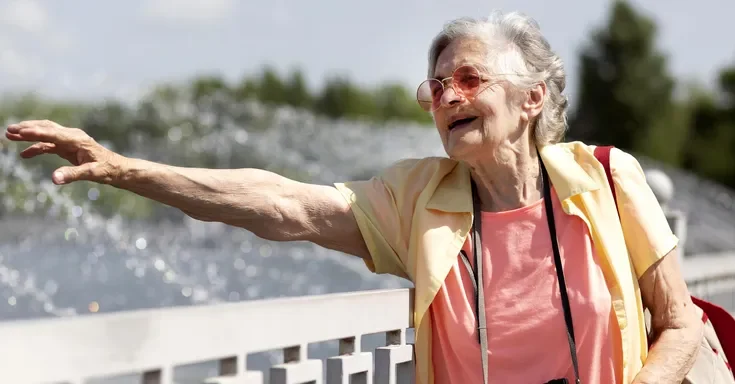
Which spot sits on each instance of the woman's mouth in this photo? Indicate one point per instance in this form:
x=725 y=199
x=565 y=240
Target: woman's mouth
x=462 y=123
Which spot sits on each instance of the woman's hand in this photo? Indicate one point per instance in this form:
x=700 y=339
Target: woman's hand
x=677 y=329
x=91 y=161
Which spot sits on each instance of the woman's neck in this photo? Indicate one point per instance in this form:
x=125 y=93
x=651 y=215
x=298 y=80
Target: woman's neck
x=508 y=179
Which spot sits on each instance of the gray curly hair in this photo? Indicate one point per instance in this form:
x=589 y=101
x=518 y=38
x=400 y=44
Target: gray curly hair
x=521 y=50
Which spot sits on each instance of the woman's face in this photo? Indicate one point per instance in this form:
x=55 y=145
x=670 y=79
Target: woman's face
x=476 y=126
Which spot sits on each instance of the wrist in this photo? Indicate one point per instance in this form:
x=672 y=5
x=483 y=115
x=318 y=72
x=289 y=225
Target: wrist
x=122 y=171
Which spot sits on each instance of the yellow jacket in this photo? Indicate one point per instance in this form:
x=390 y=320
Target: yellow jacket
x=416 y=215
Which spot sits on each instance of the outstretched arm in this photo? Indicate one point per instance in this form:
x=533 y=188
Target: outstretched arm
x=269 y=205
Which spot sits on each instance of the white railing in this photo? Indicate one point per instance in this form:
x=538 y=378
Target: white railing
x=154 y=342
x=712 y=277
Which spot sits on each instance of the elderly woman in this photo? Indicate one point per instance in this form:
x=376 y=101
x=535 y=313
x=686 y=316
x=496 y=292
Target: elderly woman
x=561 y=280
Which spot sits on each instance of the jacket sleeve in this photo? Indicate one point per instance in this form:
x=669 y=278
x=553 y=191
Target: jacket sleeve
x=645 y=227
x=383 y=207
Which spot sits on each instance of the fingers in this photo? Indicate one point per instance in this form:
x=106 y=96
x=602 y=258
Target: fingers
x=15 y=128
x=38 y=149
x=43 y=130
x=13 y=136
x=65 y=142
x=66 y=175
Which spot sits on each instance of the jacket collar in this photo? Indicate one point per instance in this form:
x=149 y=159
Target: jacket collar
x=454 y=192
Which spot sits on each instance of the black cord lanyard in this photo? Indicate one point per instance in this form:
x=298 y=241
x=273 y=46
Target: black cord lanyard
x=477 y=274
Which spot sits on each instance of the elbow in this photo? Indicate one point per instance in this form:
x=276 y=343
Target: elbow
x=273 y=218
x=265 y=212
x=283 y=220
x=689 y=333
x=687 y=329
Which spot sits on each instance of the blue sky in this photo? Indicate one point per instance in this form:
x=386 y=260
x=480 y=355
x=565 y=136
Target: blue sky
x=91 y=49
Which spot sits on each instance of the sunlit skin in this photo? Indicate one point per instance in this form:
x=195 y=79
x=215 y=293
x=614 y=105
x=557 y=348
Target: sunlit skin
x=498 y=145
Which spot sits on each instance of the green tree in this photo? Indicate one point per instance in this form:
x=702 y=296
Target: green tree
x=394 y=102
x=271 y=89
x=205 y=87
x=246 y=89
x=625 y=90
x=727 y=85
x=711 y=145
x=296 y=92
x=340 y=98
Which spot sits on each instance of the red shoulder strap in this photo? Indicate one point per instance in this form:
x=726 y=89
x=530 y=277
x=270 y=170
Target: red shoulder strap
x=603 y=156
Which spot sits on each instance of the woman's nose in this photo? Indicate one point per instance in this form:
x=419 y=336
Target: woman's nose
x=450 y=97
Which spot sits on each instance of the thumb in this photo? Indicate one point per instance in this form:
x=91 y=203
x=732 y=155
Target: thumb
x=66 y=175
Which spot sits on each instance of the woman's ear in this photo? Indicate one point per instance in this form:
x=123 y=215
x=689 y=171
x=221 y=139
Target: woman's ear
x=534 y=101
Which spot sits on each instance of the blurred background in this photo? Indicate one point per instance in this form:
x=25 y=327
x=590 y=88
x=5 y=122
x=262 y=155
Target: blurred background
x=318 y=91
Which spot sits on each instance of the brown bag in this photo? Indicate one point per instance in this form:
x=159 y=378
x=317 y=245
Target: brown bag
x=711 y=366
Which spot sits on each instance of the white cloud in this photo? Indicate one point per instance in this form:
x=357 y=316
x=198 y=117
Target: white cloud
x=28 y=15
x=188 y=11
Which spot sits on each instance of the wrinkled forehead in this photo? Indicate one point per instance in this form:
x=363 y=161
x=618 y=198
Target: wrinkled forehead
x=460 y=52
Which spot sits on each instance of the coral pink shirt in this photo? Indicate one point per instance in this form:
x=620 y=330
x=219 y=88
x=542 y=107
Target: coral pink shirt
x=527 y=341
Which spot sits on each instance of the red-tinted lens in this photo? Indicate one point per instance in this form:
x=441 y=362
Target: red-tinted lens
x=429 y=94
x=466 y=79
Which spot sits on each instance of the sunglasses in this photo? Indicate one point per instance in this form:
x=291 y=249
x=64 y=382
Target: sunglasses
x=467 y=81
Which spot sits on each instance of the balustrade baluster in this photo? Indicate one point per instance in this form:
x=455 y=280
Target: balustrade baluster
x=351 y=366
x=296 y=368
x=394 y=362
